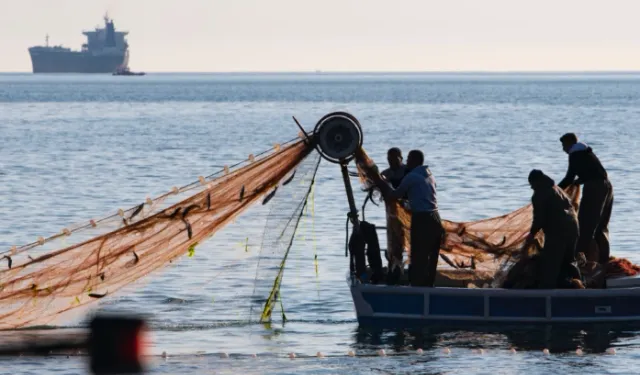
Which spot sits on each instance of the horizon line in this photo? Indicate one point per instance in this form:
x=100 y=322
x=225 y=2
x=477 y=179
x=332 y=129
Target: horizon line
x=320 y=71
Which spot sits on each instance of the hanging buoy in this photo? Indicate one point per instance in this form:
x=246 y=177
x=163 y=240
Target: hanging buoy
x=93 y=223
x=276 y=147
x=251 y=158
x=174 y=190
x=66 y=232
x=149 y=201
x=14 y=249
x=41 y=240
x=226 y=169
x=120 y=212
x=202 y=180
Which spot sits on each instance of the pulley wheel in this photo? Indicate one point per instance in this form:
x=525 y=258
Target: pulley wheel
x=338 y=136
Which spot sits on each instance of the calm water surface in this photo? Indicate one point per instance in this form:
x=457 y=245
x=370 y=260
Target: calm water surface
x=75 y=147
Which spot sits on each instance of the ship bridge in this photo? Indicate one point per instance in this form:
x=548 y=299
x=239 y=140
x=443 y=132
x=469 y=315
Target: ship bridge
x=105 y=38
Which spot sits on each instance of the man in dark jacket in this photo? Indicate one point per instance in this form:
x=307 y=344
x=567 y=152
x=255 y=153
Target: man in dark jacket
x=553 y=213
x=597 y=197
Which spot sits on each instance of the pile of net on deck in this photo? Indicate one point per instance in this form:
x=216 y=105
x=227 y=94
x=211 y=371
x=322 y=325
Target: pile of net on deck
x=37 y=285
x=479 y=252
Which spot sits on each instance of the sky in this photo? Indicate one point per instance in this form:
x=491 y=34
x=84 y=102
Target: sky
x=338 y=35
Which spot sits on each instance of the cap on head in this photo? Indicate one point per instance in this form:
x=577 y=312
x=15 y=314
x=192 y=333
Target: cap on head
x=569 y=138
x=534 y=176
x=538 y=179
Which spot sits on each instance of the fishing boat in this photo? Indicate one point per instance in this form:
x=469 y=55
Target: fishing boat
x=454 y=299
x=127 y=72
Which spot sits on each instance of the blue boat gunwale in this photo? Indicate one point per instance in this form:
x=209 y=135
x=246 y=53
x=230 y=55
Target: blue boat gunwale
x=497 y=292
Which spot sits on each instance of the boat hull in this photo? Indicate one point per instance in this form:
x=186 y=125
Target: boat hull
x=410 y=306
x=45 y=60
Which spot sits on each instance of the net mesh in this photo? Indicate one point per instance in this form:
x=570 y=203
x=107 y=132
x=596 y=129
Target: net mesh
x=39 y=283
x=280 y=228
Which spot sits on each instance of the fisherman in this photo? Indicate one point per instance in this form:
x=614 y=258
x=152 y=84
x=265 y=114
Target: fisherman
x=396 y=171
x=554 y=214
x=426 y=227
x=597 y=197
x=395 y=233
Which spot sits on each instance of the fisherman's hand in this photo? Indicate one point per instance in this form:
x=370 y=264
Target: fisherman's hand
x=528 y=242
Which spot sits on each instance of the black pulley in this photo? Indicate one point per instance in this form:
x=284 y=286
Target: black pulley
x=338 y=136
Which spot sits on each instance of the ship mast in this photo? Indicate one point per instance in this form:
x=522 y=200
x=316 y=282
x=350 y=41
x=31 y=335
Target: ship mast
x=46 y=38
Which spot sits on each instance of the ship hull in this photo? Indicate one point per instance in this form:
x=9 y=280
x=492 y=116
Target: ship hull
x=73 y=62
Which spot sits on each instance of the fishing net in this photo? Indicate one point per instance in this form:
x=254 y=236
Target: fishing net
x=279 y=233
x=39 y=283
x=480 y=252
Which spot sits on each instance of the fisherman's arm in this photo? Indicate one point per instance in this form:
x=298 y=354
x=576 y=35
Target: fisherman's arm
x=387 y=191
x=536 y=225
x=570 y=176
x=401 y=191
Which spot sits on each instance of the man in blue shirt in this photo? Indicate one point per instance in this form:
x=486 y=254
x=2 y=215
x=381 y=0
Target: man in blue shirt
x=427 y=231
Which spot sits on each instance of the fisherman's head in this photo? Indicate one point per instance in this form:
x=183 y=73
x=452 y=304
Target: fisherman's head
x=415 y=159
x=394 y=157
x=568 y=140
x=539 y=180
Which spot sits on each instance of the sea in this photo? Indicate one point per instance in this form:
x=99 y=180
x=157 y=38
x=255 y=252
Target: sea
x=77 y=147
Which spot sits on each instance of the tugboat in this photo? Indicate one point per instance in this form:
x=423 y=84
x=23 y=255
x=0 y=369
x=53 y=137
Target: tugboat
x=123 y=69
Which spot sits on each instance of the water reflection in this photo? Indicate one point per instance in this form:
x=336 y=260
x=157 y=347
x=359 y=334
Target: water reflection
x=558 y=338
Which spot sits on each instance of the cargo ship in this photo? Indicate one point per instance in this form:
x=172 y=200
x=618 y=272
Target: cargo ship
x=104 y=52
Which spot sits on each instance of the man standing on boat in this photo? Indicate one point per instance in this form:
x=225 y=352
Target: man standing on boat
x=395 y=233
x=426 y=227
x=597 y=197
x=396 y=171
